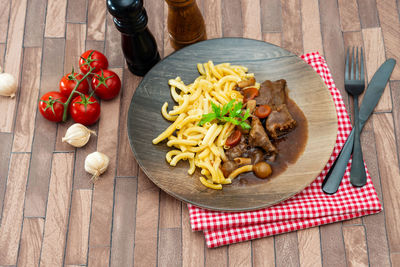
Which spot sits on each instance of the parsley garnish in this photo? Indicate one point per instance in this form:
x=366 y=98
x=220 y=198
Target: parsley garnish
x=228 y=113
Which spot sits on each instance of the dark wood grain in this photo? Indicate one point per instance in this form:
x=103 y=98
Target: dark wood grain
x=76 y=11
x=145 y=122
x=5 y=154
x=332 y=246
x=35 y=16
x=123 y=234
x=271 y=15
x=292 y=38
x=232 y=24
x=368 y=13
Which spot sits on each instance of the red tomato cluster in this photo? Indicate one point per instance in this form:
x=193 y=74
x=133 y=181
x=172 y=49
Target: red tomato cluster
x=82 y=106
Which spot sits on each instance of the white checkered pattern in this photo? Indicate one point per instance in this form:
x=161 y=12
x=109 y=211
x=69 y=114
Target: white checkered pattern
x=309 y=208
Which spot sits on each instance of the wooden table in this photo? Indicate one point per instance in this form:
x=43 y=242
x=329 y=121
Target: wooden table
x=51 y=214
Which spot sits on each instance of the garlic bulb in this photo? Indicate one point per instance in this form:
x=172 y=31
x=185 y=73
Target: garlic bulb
x=8 y=85
x=77 y=135
x=96 y=163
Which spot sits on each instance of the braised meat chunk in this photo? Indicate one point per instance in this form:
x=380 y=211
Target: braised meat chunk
x=238 y=150
x=272 y=94
x=259 y=138
x=279 y=122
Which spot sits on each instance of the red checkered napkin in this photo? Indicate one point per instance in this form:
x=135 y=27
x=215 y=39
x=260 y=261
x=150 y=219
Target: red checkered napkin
x=311 y=207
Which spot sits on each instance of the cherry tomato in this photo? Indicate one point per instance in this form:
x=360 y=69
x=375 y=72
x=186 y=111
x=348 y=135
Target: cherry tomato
x=233 y=139
x=106 y=84
x=85 y=110
x=263 y=111
x=69 y=81
x=51 y=106
x=249 y=93
x=92 y=58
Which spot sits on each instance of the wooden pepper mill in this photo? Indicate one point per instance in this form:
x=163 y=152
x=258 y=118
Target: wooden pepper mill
x=138 y=44
x=185 y=23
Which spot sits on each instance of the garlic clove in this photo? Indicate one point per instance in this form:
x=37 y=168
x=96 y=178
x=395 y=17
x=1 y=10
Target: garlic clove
x=8 y=85
x=77 y=135
x=96 y=163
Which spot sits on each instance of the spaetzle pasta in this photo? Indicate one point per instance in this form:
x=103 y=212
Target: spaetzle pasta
x=202 y=146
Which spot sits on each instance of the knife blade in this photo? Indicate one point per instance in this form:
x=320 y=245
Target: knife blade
x=371 y=98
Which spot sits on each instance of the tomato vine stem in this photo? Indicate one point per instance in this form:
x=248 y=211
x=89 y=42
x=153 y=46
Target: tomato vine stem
x=66 y=104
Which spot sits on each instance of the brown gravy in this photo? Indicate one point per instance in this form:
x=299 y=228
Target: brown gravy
x=290 y=146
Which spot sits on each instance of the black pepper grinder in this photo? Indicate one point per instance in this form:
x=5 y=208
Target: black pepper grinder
x=138 y=44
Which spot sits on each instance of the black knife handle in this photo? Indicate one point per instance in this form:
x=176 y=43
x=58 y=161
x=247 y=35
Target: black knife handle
x=358 y=177
x=334 y=177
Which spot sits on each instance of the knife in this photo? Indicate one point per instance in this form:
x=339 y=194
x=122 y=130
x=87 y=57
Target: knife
x=372 y=95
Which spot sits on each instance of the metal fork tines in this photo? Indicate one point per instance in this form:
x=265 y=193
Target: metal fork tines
x=354 y=83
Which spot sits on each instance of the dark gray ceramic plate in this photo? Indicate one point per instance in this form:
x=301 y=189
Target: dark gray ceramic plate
x=266 y=61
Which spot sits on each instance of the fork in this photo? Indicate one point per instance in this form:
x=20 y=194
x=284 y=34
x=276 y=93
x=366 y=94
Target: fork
x=355 y=86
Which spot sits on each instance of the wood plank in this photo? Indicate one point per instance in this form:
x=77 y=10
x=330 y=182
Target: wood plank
x=390 y=24
x=11 y=224
x=55 y=227
x=96 y=45
x=216 y=257
x=154 y=9
x=2 y=51
x=374 y=57
x=389 y=173
x=368 y=13
x=292 y=38
x=349 y=19
x=273 y=38
x=232 y=24
x=311 y=27
x=167 y=46
x=395 y=90
x=377 y=243
x=271 y=15
x=264 y=252
x=170 y=211
x=13 y=60
x=55 y=18
x=99 y=257
x=96 y=20
x=309 y=247
x=4 y=16
x=45 y=133
x=332 y=246
x=251 y=19
x=395 y=258
x=31 y=242
x=212 y=18
x=332 y=41
x=192 y=243
x=127 y=165
x=74 y=47
x=113 y=50
x=103 y=194
x=76 y=11
x=78 y=230
x=5 y=154
x=146 y=222
x=170 y=247
x=34 y=26
x=123 y=234
x=355 y=244
x=25 y=121
x=286 y=250
x=240 y=254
